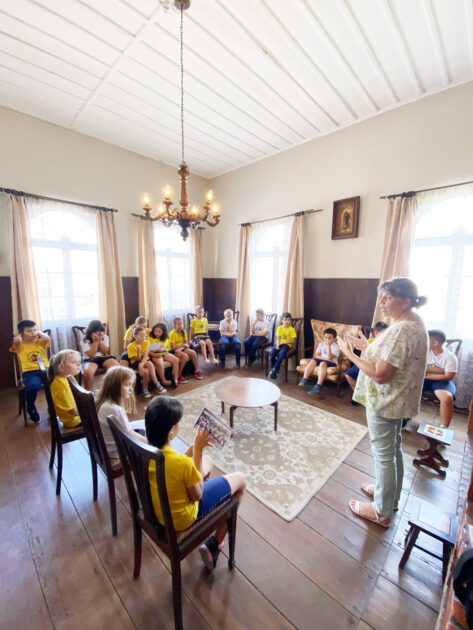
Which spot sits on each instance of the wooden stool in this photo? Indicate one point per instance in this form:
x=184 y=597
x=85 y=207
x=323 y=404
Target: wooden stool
x=442 y=526
x=431 y=457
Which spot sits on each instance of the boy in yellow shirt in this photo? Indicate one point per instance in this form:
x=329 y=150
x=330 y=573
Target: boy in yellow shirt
x=285 y=339
x=27 y=345
x=198 y=333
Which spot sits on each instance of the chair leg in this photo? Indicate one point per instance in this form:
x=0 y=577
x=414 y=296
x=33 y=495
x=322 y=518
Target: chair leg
x=53 y=451
x=113 y=504
x=410 y=542
x=177 y=593
x=267 y=362
x=137 y=539
x=22 y=406
x=232 y=521
x=94 y=478
x=286 y=365
x=59 y=467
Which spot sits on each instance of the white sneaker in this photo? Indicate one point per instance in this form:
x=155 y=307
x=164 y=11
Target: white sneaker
x=146 y=393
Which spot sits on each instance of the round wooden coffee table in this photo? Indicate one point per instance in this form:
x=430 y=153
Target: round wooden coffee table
x=248 y=392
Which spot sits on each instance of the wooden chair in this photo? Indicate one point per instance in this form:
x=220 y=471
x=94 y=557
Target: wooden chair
x=20 y=386
x=97 y=449
x=59 y=434
x=135 y=457
x=297 y=323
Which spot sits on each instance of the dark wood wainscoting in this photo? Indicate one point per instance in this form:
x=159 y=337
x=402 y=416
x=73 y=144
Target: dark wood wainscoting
x=132 y=303
x=219 y=294
x=6 y=326
x=341 y=300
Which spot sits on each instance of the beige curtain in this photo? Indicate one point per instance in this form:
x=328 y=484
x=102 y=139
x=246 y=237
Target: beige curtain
x=400 y=225
x=150 y=305
x=197 y=273
x=111 y=302
x=243 y=282
x=25 y=303
x=293 y=300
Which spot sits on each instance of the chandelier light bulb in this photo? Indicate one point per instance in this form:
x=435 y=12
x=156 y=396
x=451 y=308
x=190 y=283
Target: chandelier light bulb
x=215 y=209
x=167 y=192
x=194 y=209
x=146 y=199
x=210 y=195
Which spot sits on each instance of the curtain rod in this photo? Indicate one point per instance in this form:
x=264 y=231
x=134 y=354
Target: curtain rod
x=20 y=193
x=414 y=192
x=284 y=216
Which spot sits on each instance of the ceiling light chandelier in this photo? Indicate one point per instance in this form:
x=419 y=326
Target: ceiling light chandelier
x=182 y=216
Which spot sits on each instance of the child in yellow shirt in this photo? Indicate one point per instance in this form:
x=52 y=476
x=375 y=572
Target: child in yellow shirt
x=191 y=498
x=63 y=364
x=198 y=333
x=27 y=345
x=159 y=352
x=285 y=339
x=180 y=348
x=138 y=355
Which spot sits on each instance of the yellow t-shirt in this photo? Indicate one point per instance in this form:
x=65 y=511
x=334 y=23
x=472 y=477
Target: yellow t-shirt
x=28 y=351
x=64 y=402
x=177 y=338
x=199 y=326
x=285 y=335
x=181 y=473
x=129 y=332
x=133 y=352
x=156 y=345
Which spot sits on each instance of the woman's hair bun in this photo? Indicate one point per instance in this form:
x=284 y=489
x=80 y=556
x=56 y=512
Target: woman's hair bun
x=420 y=300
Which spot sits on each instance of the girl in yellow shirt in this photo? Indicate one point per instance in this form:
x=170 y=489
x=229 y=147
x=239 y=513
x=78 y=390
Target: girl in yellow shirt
x=159 y=352
x=63 y=364
x=138 y=350
x=180 y=346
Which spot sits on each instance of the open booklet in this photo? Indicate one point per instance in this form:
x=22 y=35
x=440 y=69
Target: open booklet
x=219 y=432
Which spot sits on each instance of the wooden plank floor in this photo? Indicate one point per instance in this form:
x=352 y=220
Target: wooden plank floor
x=326 y=569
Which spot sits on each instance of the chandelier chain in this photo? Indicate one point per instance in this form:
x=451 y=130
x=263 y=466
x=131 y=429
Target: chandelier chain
x=182 y=83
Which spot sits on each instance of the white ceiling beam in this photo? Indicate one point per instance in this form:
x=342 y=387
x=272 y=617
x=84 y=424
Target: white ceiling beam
x=367 y=49
x=147 y=26
x=468 y=4
x=435 y=37
x=322 y=33
x=402 y=47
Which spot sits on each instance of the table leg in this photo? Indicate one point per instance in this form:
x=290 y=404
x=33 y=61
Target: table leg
x=232 y=409
x=275 y=405
x=223 y=407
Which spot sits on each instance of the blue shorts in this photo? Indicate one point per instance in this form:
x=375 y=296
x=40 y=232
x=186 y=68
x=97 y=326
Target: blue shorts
x=124 y=356
x=353 y=372
x=433 y=385
x=98 y=360
x=216 y=491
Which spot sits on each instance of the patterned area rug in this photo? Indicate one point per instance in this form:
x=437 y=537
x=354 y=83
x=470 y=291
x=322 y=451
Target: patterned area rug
x=284 y=469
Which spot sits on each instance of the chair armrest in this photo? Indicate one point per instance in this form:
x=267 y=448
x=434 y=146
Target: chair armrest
x=309 y=349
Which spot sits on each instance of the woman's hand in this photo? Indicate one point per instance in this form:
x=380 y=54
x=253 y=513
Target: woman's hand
x=360 y=343
x=345 y=346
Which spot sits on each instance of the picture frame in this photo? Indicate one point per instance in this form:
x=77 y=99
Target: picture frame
x=346 y=214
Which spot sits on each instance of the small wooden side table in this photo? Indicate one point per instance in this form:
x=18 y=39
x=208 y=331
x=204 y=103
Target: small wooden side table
x=442 y=526
x=430 y=456
x=248 y=392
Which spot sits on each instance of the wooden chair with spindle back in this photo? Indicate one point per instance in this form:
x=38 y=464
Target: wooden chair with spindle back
x=59 y=434
x=97 y=449
x=135 y=457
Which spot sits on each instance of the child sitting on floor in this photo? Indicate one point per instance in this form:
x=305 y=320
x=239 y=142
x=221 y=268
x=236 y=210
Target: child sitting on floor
x=180 y=348
x=326 y=355
x=63 y=364
x=138 y=351
x=285 y=338
x=116 y=398
x=190 y=497
x=159 y=352
x=199 y=334
x=27 y=345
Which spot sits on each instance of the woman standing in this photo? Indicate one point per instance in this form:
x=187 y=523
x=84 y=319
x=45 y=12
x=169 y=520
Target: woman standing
x=389 y=385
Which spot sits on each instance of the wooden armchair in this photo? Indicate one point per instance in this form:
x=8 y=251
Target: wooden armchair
x=298 y=323
x=135 y=457
x=97 y=449
x=59 y=434
x=20 y=386
x=334 y=374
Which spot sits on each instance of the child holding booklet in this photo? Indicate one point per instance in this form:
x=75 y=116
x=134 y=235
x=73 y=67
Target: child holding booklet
x=190 y=497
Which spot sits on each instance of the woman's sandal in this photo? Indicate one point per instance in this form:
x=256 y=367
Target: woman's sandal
x=368 y=488
x=378 y=519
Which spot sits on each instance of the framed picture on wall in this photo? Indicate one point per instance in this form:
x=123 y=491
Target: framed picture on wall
x=346 y=213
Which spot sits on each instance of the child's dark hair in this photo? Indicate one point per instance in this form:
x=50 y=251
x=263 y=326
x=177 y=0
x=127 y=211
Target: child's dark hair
x=330 y=331
x=286 y=315
x=94 y=326
x=176 y=319
x=380 y=326
x=161 y=415
x=438 y=335
x=25 y=323
x=163 y=327
x=137 y=329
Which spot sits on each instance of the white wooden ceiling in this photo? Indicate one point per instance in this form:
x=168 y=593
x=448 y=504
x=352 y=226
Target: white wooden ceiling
x=261 y=75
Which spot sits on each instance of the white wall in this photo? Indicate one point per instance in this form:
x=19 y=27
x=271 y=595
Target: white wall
x=426 y=143
x=46 y=159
